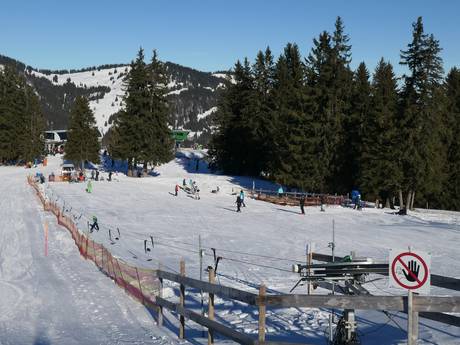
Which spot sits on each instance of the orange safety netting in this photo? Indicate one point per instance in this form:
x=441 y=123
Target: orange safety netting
x=140 y=283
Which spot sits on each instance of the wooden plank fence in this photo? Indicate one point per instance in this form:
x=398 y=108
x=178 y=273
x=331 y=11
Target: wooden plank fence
x=413 y=305
x=436 y=280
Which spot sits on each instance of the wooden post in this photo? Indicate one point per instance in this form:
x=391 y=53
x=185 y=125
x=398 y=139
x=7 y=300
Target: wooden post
x=182 y=302
x=212 y=278
x=412 y=320
x=262 y=310
x=310 y=248
x=160 y=294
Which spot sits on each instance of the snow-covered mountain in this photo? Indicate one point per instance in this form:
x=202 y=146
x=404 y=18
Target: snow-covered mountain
x=193 y=94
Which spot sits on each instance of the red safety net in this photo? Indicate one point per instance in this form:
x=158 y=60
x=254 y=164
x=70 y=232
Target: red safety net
x=140 y=283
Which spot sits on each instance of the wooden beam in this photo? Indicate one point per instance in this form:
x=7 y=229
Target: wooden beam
x=219 y=290
x=204 y=321
x=437 y=304
x=395 y=303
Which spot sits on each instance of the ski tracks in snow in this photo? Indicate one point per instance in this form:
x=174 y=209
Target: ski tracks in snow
x=59 y=298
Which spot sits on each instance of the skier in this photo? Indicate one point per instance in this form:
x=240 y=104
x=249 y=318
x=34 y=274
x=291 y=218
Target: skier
x=242 y=198
x=302 y=203
x=92 y=174
x=184 y=183
x=110 y=176
x=97 y=175
x=238 y=203
x=196 y=191
x=89 y=187
x=323 y=203
x=176 y=189
x=94 y=225
x=280 y=192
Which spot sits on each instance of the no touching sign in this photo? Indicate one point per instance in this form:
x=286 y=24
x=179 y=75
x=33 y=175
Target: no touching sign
x=410 y=270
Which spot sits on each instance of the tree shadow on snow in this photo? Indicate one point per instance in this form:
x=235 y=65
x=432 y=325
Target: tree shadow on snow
x=41 y=339
x=289 y=211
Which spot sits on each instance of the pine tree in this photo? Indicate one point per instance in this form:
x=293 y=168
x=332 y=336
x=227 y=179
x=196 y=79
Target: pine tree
x=229 y=147
x=21 y=120
x=380 y=171
x=83 y=143
x=262 y=119
x=421 y=120
x=34 y=127
x=329 y=78
x=353 y=127
x=452 y=183
x=294 y=159
x=141 y=133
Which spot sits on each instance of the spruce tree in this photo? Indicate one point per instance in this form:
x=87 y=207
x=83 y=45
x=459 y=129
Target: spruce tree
x=158 y=138
x=330 y=80
x=294 y=140
x=141 y=133
x=452 y=183
x=21 y=120
x=421 y=121
x=380 y=156
x=230 y=144
x=83 y=137
x=263 y=118
x=353 y=128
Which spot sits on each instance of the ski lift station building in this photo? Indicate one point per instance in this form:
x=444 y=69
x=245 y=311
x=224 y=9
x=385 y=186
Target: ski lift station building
x=55 y=139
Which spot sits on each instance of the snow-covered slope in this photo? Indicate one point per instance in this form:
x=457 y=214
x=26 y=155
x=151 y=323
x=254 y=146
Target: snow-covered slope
x=58 y=298
x=192 y=93
x=104 y=107
x=260 y=243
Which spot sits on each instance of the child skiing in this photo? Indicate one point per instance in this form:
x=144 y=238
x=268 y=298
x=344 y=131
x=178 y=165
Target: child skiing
x=176 y=189
x=238 y=203
x=302 y=203
x=89 y=187
x=94 y=225
x=242 y=198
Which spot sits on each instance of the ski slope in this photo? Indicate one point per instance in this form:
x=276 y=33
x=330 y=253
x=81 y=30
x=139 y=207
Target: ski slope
x=260 y=244
x=59 y=298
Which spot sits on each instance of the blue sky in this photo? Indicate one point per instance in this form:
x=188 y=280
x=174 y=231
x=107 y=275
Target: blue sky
x=212 y=35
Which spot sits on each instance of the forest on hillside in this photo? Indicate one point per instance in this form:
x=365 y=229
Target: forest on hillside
x=314 y=124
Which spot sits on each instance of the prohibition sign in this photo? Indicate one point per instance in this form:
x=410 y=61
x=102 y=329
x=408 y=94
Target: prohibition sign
x=420 y=282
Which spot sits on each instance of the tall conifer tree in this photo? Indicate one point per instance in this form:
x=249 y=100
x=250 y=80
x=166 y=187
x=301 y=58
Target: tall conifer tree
x=421 y=120
x=380 y=156
x=83 y=137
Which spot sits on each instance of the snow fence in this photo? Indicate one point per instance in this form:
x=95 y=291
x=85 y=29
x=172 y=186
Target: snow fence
x=140 y=283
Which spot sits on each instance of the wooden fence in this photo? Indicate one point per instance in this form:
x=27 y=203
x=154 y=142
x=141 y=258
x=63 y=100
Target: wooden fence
x=436 y=280
x=413 y=305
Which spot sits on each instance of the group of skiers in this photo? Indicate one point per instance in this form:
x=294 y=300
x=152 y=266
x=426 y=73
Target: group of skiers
x=191 y=188
x=302 y=199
